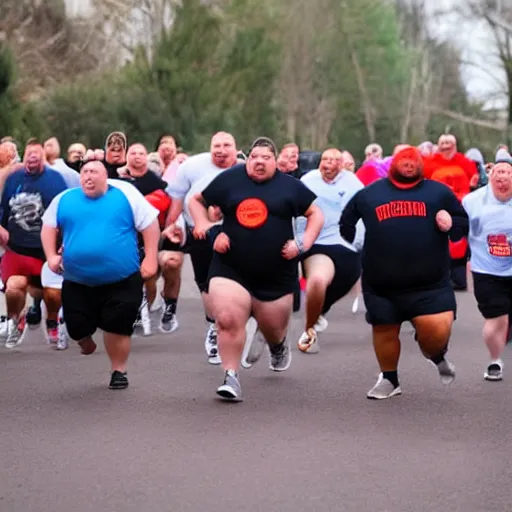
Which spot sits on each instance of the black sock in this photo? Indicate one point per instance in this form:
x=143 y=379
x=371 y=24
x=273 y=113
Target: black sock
x=392 y=377
x=438 y=359
x=209 y=320
x=37 y=303
x=171 y=302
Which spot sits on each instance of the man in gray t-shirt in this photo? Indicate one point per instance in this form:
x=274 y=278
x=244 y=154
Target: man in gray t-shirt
x=192 y=177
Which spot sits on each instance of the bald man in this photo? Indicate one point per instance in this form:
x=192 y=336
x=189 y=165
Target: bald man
x=192 y=177
x=332 y=265
x=98 y=223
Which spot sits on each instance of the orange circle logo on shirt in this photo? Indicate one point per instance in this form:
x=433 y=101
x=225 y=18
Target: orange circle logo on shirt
x=252 y=213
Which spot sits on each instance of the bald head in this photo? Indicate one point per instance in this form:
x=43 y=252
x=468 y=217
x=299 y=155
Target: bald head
x=93 y=179
x=223 y=150
x=76 y=152
x=137 y=159
x=447 y=145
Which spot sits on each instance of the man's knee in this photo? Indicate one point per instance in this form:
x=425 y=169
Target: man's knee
x=172 y=261
x=318 y=282
x=16 y=284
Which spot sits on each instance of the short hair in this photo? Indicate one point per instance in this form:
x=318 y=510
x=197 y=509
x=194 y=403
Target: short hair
x=264 y=142
x=33 y=141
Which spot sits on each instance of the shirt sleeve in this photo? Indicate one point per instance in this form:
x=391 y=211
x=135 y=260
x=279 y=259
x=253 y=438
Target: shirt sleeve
x=143 y=213
x=349 y=219
x=302 y=198
x=180 y=185
x=215 y=193
x=50 y=215
x=4 y=203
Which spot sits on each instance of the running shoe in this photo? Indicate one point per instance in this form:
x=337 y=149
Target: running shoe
x=308 y=342
x=383 y=389
x=321 y=324
x=210 y=345
x=494 y=371
x=280 y=356
x=446 y=371
x=230 y=389
x=118 y=380
x=168 y=321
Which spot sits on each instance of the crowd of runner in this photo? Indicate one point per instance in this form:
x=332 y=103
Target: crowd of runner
x=89 y=235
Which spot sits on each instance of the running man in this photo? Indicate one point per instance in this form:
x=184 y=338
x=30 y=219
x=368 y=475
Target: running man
x=490 y=240
x=332 y=266
x=406 y=272
x=103 y=275
x=193 y=176
x=254 y=266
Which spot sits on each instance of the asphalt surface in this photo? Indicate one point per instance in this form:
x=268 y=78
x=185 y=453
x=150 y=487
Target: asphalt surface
x=305 y=440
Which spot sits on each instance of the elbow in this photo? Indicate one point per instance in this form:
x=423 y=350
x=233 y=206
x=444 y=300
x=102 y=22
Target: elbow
x=347 y=232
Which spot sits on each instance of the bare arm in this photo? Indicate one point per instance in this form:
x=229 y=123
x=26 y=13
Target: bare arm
x=49 y=237
x=151 y=237
x=199 y=214
x=175 y=211
x=315 y=222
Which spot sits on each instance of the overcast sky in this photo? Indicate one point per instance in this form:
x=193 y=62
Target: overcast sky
x=482 y=74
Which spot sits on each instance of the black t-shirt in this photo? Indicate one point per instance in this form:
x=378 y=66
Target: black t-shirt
x=403 y=247
x=147 y=183
x=258 y=219
x=112 y=169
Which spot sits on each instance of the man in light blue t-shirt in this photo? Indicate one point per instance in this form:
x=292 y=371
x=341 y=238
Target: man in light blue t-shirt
x=332 y=266
x=100 y=260
x=490 y=241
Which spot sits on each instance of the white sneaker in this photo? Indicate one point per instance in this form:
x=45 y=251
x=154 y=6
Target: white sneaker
x=383 y=389
x=308 y=342
x=4 y=328
x=321 y=324
x=157 y=305
x=355 y=305
x=62 y=343
x=446 y=372
x=15 y=336
x=211 y=347
x=250 y=332
x=494 y=371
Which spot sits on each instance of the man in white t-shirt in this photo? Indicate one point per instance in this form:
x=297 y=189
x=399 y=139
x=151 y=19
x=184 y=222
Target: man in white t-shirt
x=333 y=265
x=192 y=177
x=490 y=240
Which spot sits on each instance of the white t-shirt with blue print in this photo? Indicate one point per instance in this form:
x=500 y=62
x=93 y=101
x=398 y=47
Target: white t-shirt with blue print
x=490 y=233
x=332 y=199
x=99 y=235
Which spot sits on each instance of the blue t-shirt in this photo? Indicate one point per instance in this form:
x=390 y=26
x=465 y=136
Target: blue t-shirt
x=99 y=235
x=24 y=201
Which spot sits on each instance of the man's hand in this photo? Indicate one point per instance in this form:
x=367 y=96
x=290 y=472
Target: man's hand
x=4 y=237
x=94 y=154
x=55 y=264
x=474 y=181
x=290 y=250
x=148 y=268
x=201 y=229
x=214 y=213
x=174 y=233
x=444 y=221
x=222 y=243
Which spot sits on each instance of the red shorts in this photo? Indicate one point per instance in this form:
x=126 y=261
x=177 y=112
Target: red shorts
x=14 y=264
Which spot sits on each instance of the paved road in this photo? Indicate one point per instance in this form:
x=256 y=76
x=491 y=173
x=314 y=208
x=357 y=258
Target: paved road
x=307 y=440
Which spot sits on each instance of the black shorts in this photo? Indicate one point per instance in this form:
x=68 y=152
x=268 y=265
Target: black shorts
x=397 y=307
x=347 y=265
x=110 y=307
x=201 y=252
x=273 y=287
x=493 y=294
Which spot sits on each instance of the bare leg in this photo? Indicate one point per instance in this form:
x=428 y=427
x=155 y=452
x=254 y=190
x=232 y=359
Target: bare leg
x=233 y=308
x=118 y=350
x=16 y=296
x=495 y=335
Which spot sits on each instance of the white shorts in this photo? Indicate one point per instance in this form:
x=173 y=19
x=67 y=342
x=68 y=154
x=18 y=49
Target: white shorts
x=50 y=279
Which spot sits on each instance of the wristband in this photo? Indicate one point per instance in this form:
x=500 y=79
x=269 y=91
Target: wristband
x=300 y=246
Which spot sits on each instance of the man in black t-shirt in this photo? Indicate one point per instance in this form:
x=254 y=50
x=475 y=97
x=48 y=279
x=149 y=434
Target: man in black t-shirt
x=254 y=267
x=406 y=264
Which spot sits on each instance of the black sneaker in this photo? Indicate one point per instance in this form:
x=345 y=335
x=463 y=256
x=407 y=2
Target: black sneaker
x=118 y=380
x=34 y=314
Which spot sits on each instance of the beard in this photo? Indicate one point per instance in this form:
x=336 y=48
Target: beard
x=406 y=180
